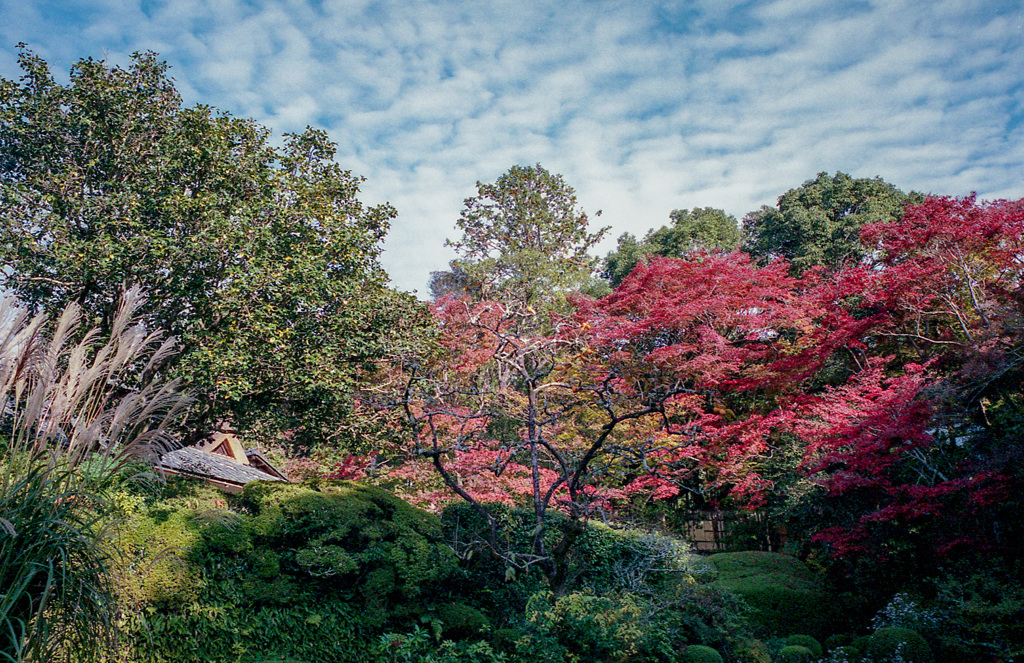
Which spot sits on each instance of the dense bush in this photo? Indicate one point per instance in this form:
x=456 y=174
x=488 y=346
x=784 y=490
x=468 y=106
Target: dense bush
x=806 y=641
x=588 y=627
x=700 y=654
x=419 y=645
x=345 y=536
x=304 y=571
x=795 y=654
x=890 y=641
x=153 y=544
x=979 y=609
x=751 y=651
x=861 y=644
x=459 y=620
x=837 y=640
x=328 y=632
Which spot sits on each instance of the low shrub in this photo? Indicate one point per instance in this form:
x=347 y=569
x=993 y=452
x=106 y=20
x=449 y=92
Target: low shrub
x=459 y=621
x=795 y=654
x=888 y=642
x=700 y=654
x=837 y=640
x=303 y=571
x=590 y=627
x=862 y=644
x=326 y=633
x=806 y=641
x=419 y=646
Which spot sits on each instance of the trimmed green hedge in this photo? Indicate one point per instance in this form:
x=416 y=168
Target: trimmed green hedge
x=784 y=595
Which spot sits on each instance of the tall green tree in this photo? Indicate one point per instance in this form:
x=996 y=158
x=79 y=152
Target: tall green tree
x=700 y=229
x=525 y=239
x=261 y=260
x=819 y=222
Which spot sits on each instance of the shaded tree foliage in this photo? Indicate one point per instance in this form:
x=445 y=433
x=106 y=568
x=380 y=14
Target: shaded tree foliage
x=819 y=222
x=454 y=281
x=260 y=260
x=700 y=229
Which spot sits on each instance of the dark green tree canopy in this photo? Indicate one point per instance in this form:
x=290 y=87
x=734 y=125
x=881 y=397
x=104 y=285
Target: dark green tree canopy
x=524 y=239
x=454 y=281
x=818 y=223
x=699 y=229
x=261 y=260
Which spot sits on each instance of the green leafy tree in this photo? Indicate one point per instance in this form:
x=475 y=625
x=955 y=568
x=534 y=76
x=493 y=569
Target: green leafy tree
x=818 y=223
x=699 y=229
x=525 y=239
x=260 y=260
x=706 y=228
x=620 y=262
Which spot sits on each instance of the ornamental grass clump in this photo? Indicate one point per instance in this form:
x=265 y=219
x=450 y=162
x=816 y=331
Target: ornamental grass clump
x=75 y=410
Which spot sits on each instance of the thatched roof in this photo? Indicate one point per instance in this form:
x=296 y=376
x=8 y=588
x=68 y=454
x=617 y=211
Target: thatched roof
x=222 y=461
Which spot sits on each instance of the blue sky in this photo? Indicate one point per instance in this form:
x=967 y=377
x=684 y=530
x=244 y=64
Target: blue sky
x=643 y=107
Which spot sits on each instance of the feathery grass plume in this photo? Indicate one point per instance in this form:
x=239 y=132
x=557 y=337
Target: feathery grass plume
x=75 y=409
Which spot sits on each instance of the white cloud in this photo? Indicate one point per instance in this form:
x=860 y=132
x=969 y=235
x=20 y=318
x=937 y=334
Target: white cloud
x=643 y=107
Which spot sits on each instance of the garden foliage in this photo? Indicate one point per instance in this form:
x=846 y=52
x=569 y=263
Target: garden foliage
x=76 y=410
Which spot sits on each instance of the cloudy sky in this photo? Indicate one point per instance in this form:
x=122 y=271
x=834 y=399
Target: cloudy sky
x=643 y=107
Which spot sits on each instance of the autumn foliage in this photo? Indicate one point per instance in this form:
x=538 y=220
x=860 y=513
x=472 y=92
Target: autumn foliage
x=882 y=392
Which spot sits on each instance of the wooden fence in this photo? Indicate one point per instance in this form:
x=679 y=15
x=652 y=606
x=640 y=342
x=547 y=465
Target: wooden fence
x=724 y=531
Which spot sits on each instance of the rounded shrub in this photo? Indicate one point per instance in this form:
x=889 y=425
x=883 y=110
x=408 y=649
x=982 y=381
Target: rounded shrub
x=837 y=640
x=504 y=639
x=806 y=641
x=590 y=627
x=891 y=641
x=795 y=654
x=862 y=644
x=459 y=620
x=700 y=654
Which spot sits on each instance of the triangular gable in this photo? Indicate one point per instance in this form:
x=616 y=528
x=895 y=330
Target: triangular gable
x=225 y=443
